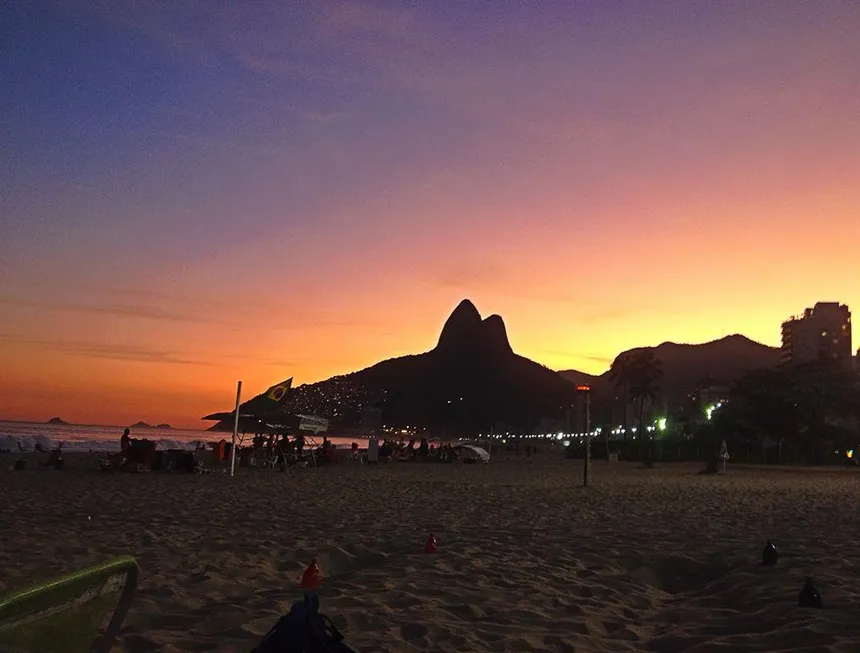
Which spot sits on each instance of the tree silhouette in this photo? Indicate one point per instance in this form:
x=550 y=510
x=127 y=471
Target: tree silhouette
x=636 y=374
x=810 y=408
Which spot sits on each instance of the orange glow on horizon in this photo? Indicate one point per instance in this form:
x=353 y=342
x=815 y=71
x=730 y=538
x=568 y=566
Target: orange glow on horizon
x=171 y=353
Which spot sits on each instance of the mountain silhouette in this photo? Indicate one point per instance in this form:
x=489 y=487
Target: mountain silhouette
x=687 y=368
x=470 y=382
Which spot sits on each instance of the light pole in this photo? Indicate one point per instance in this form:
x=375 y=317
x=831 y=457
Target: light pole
x=586 y=390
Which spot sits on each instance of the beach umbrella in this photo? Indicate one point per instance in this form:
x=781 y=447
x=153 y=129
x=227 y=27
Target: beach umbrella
x=246 y=423
x=264 y=413
x=273 y=419
x=269 y=402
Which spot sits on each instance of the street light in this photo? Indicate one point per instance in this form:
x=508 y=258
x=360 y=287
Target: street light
x=586 y=390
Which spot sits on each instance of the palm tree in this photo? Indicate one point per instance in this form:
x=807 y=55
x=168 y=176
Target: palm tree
x=637 y=374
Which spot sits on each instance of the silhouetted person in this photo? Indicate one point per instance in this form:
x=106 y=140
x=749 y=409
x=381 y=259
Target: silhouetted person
x=125 y=441
x=300 y=444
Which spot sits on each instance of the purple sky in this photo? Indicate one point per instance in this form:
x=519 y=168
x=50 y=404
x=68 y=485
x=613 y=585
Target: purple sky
x=345 y=173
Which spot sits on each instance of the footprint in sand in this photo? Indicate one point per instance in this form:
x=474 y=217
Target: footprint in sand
x=466 y=612
x=555 y=643
x=413 y=631
x=140 y=644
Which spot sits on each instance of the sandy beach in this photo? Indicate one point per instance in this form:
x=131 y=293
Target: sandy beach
x=643 y=560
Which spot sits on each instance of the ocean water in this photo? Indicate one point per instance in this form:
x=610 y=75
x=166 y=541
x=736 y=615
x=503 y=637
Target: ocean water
x=79 y=437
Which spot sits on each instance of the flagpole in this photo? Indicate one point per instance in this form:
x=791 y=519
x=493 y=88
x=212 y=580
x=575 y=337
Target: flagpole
x=235 y=430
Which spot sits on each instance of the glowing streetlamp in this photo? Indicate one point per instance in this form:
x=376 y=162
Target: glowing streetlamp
x=586 y=390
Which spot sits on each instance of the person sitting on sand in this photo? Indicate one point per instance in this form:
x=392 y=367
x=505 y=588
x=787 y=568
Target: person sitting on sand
x=326 y=445
x=125 y=441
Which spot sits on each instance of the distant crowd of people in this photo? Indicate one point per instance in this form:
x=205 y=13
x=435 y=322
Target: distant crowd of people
x=283 y=450
x=416 y=451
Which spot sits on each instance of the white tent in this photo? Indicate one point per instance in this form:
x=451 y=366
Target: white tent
x=472 y=452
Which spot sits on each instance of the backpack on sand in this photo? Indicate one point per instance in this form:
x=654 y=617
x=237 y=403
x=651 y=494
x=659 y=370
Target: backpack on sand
x=303 y=630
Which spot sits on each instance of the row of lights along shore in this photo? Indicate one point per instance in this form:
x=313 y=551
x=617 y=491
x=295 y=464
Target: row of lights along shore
x=660 y=425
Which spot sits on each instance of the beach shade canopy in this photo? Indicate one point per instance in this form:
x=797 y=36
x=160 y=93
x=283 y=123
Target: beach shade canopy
x=217 y=417
x=472 y=452
x=266 y=408
x=268 y=423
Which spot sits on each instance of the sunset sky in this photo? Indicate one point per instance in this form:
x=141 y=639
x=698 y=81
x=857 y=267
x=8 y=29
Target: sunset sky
x=195 y=193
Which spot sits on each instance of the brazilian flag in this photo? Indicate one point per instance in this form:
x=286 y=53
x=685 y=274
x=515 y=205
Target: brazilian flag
x=279 y=392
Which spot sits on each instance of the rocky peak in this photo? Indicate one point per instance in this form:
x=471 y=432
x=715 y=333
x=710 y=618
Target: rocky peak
x=465 y=330
x=494 y=335
x=460 y=325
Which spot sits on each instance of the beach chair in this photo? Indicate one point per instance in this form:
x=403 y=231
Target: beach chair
x=69 y=614
x=55 y=460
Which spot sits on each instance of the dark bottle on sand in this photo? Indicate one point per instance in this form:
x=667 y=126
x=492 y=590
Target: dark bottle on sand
x=810 y=596
x=770 y=554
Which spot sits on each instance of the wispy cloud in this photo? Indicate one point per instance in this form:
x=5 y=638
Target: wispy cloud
x=274 y=38
x=595 y=359
x=140 y=353
x=200 y=312
x=92 y=349
x=98 y=292
x=276 y=363
x=119 y=310
x=570 y=356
